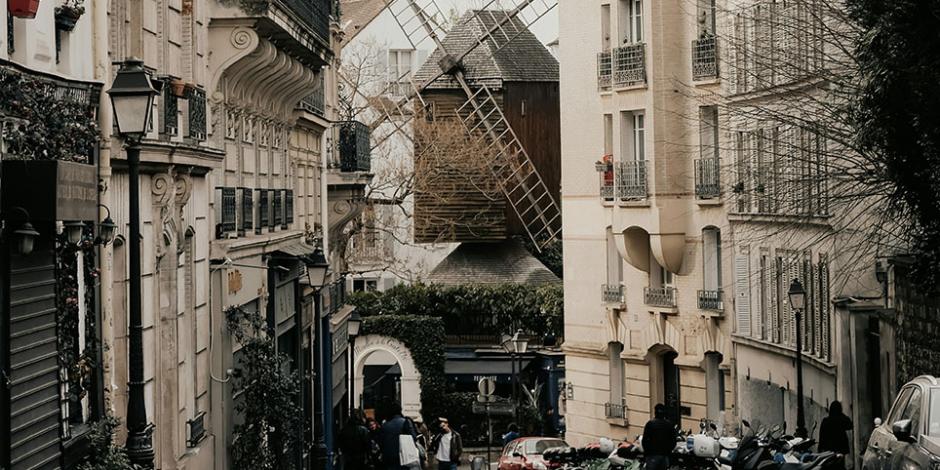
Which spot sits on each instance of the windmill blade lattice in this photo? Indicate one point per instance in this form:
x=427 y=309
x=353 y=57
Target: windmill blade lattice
x=505 y=156
x=505 y=20
x=416 y=18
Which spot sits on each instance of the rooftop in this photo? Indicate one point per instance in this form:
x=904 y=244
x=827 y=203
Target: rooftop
x=492 y=263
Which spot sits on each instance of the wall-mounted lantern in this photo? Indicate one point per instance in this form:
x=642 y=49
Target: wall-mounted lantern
x=106 y=228
x=73 y=230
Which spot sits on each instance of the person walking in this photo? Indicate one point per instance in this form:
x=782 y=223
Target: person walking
x=446 y=446
x=659 y=440
x=389 y=437
x=423 y=441
x=354 y=442
x=511 y=435
x=834 y=429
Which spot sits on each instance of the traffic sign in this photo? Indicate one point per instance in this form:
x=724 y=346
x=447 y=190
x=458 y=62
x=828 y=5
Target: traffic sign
x=486 y=399
x=487 y=386
x=501 y=408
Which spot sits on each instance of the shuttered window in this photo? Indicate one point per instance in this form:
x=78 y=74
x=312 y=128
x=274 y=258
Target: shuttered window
x=742 y=293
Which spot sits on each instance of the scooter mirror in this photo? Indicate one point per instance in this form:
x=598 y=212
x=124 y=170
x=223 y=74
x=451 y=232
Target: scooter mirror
x=878 y=422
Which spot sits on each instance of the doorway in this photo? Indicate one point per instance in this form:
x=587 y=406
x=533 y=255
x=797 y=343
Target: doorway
x=671 y=388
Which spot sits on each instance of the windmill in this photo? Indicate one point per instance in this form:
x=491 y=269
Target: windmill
x=481 y=116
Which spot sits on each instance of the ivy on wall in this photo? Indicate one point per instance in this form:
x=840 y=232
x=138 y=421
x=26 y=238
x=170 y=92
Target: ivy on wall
x=424 y=337
x=269 y=433
x=472 y=309
x=51 y=121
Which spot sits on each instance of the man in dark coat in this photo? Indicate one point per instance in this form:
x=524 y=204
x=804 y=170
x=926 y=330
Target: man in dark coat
x=354 y=442
x=659 y=440
x=395 y=426
x=833 y=431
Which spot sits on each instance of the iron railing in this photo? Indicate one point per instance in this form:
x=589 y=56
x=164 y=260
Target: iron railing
x=315 y=102
x=604 y=70
x=355 y=152
x=711 y=300
x=631 y=180
x=314 y=14
x=612 y=293
x=197 y=114
x=629 y=65
x=615 y=410
x=707 y=178
x=606 y=173
x=660 y=296
x=705 y=58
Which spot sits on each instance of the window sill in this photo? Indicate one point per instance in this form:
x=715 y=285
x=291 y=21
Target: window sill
x=622 y=422
x=634 y=203
x=663 y=310
x=713 y=201
x=707 y=81
x=632 y=87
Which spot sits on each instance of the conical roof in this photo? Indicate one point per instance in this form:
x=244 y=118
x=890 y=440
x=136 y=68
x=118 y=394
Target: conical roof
x=506 y=262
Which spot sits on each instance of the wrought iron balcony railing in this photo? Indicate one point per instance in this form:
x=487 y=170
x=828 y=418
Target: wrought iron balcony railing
x=355 y=152
x=615 y=410
x=613 y=294
x=314 y=14
x=604 y=70
x=711 y=300
x=660 y=296
x=606 y=173
x=314 y=103
x=631 y=180
x=705 y=58
x=629 y=65
x=707 y=178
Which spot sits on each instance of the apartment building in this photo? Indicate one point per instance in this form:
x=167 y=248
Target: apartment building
x=646 y=237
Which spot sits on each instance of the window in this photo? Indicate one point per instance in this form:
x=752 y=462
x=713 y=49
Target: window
x=631 y=21
x=706 y=18
x=400 y=67
x=616 y=372
x=633 y=136
x=708 y=131
x=912 y=412
x=899 y=405
x=614 y=261
x=711 y=252
x=933 y=425
x=605 y=27
x=365 y=285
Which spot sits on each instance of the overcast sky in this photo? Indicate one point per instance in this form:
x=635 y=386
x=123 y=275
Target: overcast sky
x=546 y=29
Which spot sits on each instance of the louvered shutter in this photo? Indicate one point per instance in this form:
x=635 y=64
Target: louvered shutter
x=742 y=294
x=825 y=309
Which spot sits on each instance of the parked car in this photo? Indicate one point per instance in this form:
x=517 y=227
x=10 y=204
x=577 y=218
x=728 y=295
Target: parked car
x=525 y=453
x=909 y=437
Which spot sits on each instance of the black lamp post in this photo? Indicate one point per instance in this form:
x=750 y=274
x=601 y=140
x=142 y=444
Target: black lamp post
x=352 y=328
x=132 y=95
x=516 y=346
x=798 y=304
x=317 y=268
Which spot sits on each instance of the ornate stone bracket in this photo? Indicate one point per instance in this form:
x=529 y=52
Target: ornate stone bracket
x=171 y=192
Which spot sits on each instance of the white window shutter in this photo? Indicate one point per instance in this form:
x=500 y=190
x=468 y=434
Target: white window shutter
x=742 y=294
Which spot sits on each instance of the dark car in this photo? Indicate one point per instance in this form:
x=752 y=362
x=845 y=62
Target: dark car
x=526 y=453
x=909 y=437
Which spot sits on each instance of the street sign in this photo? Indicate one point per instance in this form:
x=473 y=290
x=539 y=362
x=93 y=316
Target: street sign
x=499 y=408
x=486 y=399
x=487 y=386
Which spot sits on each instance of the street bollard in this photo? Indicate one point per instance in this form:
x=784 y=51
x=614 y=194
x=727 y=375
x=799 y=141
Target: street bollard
x=477 y=463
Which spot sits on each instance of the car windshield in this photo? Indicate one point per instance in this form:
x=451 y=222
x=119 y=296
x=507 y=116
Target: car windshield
x=538 y=447
x=933 y=425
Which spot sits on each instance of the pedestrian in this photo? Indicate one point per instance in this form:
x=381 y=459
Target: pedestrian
x=446 y=446
x=511 y=435
x=390 y=434
x=355 y=443
x=659 y=440
x=548 y=423
x=423 y=441
x=833 y=431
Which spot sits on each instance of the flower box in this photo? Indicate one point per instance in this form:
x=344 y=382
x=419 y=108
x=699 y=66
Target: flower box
x=23 y=8
x=67 y=16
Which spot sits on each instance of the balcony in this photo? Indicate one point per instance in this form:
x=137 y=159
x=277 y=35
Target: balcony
x=605 y=169
x=604 y=70
x=629 y=65
x=660 y=296
x=631 y=180
x=613 y=294
x=616 y=411
x=705 y=58
x=354 y=147
x=707 y=178
x=711 y=300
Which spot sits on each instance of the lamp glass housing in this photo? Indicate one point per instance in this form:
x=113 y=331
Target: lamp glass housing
x=26 y=237
x=797 y=295
x=317 y=268
x=353 y=324
x=73 y=231
x=132 y=95
x=106 y=230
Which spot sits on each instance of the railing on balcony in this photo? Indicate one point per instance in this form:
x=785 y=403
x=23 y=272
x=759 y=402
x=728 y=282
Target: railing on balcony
x=604 y=70
x=629 y=65
x=612 y=293
x=615 y=410
x=711 y=300
x=707 y=178
x=354 y=147
x=314 y=14
x=631 y=180
x=605 y=169
x=705 y=58
x=660 y=296
x=314 y=103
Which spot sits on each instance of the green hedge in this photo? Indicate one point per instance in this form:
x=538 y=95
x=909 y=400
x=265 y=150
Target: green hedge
x=472 y=309
x=424 y=337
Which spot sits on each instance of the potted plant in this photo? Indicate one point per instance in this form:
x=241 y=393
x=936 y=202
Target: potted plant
x=178 y=87
x=67 y=14
x=23 y=8
x=605 y=163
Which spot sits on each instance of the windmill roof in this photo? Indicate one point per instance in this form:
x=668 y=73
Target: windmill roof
x=524 y=59
x=492 y=263
x=357 y=14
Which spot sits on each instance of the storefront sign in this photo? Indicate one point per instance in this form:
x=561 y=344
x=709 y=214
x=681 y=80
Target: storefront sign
x=51 y=190
x=76 y=191
x=246 y=284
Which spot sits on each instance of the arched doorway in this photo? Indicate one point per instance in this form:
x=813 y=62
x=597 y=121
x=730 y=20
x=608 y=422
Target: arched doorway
x=392 y=375
x=665 y=385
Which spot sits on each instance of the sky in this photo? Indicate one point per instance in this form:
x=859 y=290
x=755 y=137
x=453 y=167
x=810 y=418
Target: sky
x=546 y=28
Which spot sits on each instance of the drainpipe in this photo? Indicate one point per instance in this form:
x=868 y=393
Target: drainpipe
x=102 y=73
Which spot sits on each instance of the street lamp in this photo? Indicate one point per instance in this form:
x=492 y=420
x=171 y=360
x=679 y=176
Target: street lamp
x=73 y=231
x=317 y=267
x=352 y=328
x=132 y=95
x=106 y=228
x=515 y=346
x=798 y=304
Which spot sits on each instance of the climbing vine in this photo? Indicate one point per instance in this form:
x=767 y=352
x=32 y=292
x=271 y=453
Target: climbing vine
x=78 y=361
x=424 y=337
x=53 y=122
x=268 y=392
